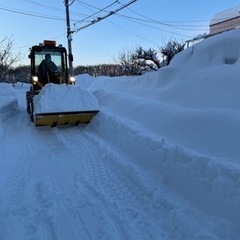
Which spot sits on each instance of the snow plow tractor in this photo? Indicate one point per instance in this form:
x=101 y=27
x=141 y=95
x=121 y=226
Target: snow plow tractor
x=49 y=67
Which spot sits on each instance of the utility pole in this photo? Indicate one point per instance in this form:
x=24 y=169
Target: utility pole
x=69 y=37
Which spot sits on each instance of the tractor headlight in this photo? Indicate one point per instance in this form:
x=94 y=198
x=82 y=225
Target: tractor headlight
x=72 y=80
x=35 y=78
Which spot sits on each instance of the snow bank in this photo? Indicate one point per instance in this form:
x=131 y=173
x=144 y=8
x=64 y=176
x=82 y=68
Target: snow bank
x=84 y=81
x=8 y=98
x=225 y=15
x=211 y=184
x=7 y=89
x=64 y=98
x=194 y=101
x=7 y=104
x=183 y=123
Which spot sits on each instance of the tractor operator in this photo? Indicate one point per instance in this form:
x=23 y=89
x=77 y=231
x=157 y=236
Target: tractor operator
x=47 y=70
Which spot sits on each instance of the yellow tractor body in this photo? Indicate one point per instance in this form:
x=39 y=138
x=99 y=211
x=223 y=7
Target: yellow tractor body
x=43 y=73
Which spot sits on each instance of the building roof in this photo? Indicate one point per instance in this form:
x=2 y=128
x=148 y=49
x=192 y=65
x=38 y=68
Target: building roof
x=225 y=15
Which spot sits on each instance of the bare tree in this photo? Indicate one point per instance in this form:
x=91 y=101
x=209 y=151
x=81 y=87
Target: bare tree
x=20 y=74
x=100 y=70
x=145 y=60
x=7 y=58
x=138 y=61
x=170 y=50
x=124 y=59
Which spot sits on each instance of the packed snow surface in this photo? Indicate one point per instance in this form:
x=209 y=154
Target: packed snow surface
x=161 y=159
x=225 y=15
x=64 y=98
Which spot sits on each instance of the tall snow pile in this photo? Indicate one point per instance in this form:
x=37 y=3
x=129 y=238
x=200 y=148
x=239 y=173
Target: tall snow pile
x=185 y=124
x=195 y=101
x=64 y=98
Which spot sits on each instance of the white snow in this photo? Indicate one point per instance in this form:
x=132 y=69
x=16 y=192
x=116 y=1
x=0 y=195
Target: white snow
x=225 y=15
x=159 y=161
x=62 y=98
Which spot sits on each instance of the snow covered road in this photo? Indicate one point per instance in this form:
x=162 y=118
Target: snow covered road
x=59 y=184
x=159 y=161
x=88 y=183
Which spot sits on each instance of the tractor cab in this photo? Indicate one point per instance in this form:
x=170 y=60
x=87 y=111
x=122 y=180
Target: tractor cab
x=49 y=65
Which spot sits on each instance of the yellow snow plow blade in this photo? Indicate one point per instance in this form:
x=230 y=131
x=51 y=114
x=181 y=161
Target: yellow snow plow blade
x=64 y=118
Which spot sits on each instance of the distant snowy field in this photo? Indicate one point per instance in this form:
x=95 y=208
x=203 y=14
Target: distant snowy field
x=177 y=129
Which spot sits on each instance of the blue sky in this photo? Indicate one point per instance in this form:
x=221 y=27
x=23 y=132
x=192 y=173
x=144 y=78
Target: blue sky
x=146 y=23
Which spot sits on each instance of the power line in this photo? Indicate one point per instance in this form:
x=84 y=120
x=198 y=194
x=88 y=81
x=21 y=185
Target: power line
x=29 y=13
x=130 y=18
x=144 y=20
x=42 y=5
x=32 y=14
x=143 y=23
x=156 y=22
x=132 y=33
x=163 y=23
x=101 y=10
x=106 y=16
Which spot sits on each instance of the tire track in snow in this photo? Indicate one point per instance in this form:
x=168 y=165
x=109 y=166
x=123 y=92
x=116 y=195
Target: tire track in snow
x=35 y=202
x=17 y=168
x=87 y=153
x=25 y=208
x=15 y=176
x=108 y=198
x=52 y=190
x=115 y=186
x=178 y=168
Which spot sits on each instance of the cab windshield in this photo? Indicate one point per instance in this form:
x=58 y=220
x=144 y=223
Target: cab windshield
x=56 y=57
